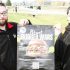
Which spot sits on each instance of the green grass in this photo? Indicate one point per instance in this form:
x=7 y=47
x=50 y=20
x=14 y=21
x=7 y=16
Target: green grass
x=39 y=19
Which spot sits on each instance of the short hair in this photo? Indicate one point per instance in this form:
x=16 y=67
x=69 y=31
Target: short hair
x=2 y=4
x=68 y=10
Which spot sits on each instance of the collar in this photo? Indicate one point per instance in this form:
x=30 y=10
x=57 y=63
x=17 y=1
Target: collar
x=9 y=25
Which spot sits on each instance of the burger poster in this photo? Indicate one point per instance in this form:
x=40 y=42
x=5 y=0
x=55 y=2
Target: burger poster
x=35 y=47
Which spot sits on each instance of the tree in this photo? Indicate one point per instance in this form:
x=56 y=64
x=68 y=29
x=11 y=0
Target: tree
x=39 y=7
x=8 y=3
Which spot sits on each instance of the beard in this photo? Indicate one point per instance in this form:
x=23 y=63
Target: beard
x=3 y=22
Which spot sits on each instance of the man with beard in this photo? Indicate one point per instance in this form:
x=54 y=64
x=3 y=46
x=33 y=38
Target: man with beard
x=62 y=48
x=8 y=40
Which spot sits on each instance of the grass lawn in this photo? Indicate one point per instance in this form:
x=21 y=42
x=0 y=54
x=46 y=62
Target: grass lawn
x=40 y=19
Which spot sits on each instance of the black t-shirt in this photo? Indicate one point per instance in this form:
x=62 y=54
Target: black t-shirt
x=8 y=47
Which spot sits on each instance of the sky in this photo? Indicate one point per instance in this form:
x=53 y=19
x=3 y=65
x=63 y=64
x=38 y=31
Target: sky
x=18 y=0
x=30 y=0
x=13 y=0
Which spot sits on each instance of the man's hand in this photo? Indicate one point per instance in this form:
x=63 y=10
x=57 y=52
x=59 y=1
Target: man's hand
x=23 y=22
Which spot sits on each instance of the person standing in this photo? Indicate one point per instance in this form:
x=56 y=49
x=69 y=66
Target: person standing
x=8 y=41
x=62 y=48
